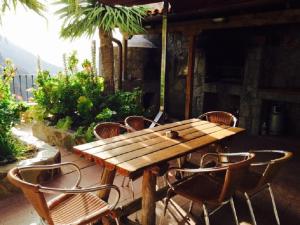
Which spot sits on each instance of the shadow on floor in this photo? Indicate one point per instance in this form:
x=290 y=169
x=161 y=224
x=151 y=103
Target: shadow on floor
x=15 y=210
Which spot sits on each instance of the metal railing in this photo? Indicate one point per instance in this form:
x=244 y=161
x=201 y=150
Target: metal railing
x=21 y=85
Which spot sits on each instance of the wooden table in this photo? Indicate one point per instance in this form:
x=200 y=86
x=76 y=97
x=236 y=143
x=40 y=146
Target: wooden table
x=142 y=151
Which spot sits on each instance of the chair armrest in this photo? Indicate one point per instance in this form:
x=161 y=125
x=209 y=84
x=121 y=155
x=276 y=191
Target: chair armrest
x=152 y=121
x=127 y=127
x=206 y=155
x=78 y=190
x=197 y=170
x=261 y=163
x=53 y=166
x=218 y=155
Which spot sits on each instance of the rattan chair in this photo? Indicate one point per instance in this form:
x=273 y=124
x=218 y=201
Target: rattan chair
x=201 y=186
x=220 y=117
x=139 y=123
x=109 y=129
x=261 y=173
x=73 y=206
x=223 y=118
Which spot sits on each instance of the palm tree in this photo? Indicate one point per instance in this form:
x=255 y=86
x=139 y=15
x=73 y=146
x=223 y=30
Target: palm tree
x=34 y=5
x=84 y=17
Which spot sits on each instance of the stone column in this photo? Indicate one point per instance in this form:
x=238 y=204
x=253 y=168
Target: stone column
x=199 y=79
x=250 y=103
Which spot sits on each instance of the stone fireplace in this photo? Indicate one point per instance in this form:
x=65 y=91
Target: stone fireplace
x=249 y=72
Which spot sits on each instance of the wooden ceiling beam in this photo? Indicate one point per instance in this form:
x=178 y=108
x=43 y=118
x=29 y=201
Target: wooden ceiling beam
x=288 y=16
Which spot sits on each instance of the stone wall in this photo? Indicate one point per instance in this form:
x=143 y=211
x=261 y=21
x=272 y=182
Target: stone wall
x=269 y=63
x=177 y=54
x=143 y=71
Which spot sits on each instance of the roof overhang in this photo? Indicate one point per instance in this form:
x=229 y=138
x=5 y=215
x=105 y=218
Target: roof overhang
x=179 y=6
x=128 y=2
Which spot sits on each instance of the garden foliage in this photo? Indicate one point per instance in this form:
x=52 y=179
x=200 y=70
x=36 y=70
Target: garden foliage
x=77 y=101
x=9 y=113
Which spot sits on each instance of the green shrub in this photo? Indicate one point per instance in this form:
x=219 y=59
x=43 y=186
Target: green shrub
x=9 y=112
x=64 y=123
x=78 y=100
x=10 y=147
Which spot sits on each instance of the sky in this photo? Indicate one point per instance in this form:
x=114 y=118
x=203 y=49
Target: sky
x=40 y=36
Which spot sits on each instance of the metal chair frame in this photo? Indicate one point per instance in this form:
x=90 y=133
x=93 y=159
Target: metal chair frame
x=265 y=180
x=228 y=183
x=231 y=120
x=35 y=192
x=266 y=177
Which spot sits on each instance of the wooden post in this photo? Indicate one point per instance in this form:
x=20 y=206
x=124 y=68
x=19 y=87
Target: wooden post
x=148 y=201
x=124 y=56
x=189 y=78
x=108 y=177
x=164 y=34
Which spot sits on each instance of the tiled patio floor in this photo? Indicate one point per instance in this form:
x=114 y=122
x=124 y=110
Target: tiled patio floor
x=15 y=210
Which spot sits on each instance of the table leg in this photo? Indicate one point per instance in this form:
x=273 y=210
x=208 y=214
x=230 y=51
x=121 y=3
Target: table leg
x=148 y=199
x=108 y=177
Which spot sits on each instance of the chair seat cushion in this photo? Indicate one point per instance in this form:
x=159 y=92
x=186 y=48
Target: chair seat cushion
x=77 y=208
x=200 y=188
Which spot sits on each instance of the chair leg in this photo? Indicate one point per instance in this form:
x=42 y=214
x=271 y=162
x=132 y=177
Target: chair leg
x=131 y=188
x=165 y=210
x=206 y=218
x=133 y=196
x=117 y=221
x=234 y=211
x=191 y=206
x=123 y=181
x=274 y=205
x=250 y=208
x=42 y=222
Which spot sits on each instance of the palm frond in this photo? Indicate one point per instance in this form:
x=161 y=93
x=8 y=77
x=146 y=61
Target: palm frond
x=83 y=17
x=34 y=5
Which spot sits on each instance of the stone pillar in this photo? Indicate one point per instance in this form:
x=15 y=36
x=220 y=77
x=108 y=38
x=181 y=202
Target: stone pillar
x=199 y=79
x=250 y=103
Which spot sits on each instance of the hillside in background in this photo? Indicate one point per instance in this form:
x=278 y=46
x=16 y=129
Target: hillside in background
x=23 y=60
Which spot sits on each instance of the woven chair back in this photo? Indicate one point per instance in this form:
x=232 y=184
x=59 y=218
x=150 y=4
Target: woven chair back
x=235 y=173
x=32 y=193
x=220 y=117
x=107 y=130
x=274 y=161
x=135 y=122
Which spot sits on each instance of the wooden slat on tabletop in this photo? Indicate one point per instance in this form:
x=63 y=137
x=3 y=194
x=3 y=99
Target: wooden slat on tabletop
x=115 y=160
x=133 y=134
x=185 y=135
x=149 y=137
x=175 y=151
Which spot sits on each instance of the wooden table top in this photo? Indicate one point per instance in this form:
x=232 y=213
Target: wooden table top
x=132 y=152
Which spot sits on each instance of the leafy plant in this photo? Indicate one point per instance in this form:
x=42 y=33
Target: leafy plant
x=125 y=104
x=77 y=101
x=84 y=106
x=84 y=17
x=34 y=5
x=85 y=132
x=10 y=148
x=105 y=115
x=64 y=123
x=9 y=112
x=87 y=16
